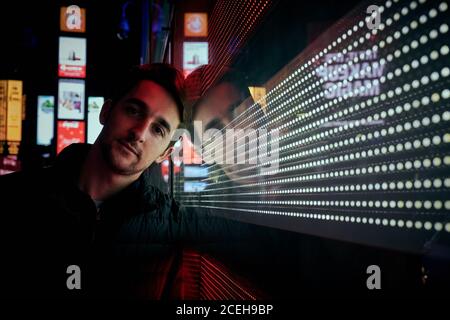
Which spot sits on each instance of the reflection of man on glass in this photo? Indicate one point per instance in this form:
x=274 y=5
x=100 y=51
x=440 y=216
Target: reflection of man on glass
x=220 y=107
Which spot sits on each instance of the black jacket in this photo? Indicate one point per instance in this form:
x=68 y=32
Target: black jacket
x=133 y=251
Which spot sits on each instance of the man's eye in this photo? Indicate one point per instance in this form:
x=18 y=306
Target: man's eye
x=158 y=130
x=131 y=110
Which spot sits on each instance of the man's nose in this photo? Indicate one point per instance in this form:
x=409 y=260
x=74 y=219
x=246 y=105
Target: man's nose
x=140 y=130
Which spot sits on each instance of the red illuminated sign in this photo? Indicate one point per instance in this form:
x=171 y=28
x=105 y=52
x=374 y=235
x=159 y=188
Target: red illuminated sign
x=70 y=132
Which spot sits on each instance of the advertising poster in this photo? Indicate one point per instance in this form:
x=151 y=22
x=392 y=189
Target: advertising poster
x=71 y=99
x=195 y=54
x=72 y=57
x=69 y=132
x=45 y=120
x=14 y=112
x=93 y=121
x=195 y=24
x=72 y=19
x=3 y=108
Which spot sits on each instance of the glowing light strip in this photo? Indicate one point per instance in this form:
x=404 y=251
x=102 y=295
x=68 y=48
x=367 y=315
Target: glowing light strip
x=409 y=224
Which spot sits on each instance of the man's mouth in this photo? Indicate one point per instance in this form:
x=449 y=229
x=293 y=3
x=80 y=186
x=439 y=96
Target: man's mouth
x=129 y=148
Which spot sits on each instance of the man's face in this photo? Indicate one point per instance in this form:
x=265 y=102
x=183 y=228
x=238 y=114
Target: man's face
x=215 y=111
x=138 y=128
x=218 y=111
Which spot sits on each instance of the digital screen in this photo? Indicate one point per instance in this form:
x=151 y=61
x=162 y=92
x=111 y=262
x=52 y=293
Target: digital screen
x=353 y=143
x=69 y=132
x=72 y=57
x=195 y=24
x=93 y=123
x=45 y=120
x=72 y=19
x=195 y=54
x=195 y=172
x=71 y=99
x=194 y=186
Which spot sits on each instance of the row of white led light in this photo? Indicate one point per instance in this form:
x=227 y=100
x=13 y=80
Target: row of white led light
x=384 y=168
x=225 y=60
x=433 y=54
x=415 y=84
x=406 y=68
x=416 y=124
x=408 y=125
x=395 y=167
x=407 y=106
x=240 y=8
x=443 y=7
x=434 y=98
x=417 y=144
x=432 y=76
x=400 y=185
x=400 y=223
x=249 y=110
x=386 y=185
x=392 y=204
x=350 y=218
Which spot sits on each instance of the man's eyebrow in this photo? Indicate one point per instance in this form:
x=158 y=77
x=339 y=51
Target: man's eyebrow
x=142 y=105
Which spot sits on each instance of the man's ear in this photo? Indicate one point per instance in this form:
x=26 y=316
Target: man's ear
x=165 y=155
x=106 y=111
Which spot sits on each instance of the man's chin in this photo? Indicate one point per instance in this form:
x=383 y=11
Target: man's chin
x=121 y=161
x=121 y=165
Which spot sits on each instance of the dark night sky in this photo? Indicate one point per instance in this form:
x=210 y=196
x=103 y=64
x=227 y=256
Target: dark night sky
x=29 y=50
x=30 y=43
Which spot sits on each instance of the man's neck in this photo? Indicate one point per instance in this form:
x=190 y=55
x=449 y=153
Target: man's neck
x=98 y=180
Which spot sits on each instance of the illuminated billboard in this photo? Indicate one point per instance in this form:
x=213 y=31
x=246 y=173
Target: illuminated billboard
x=3 y=108
x=14 y=110
x=45 y=120
x=72 y=57
x=195 y=172
x=93 y=121
x=194 y=186
x=195 y=24
x=195 y=54
x=71 y=99
x=69 y=132
x=72 y=19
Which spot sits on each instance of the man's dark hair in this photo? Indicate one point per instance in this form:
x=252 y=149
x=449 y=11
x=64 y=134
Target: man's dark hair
x=168 y=77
